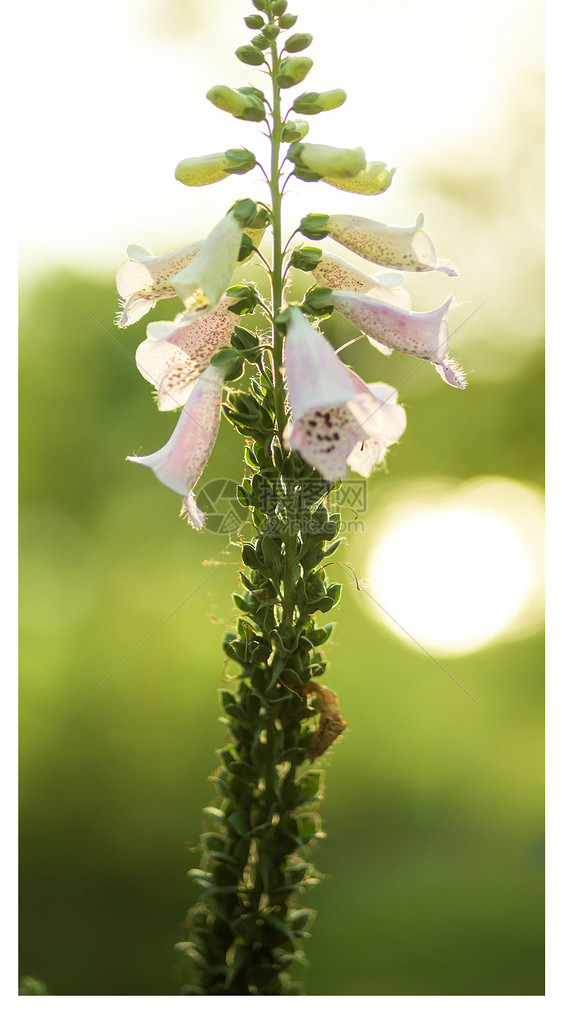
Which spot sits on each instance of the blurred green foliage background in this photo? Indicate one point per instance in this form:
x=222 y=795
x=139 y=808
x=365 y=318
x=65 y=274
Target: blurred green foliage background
x=433 y=861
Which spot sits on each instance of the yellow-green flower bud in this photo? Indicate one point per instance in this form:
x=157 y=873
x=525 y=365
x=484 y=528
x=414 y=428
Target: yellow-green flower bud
x=254 y=21
x=287 y=20
x=271 y=32
x=327 y=161
x=374 y=179
x=242 y=106
x=318 y=102
x=250 y=55
x=294 y=130
x=260 y=41
x=296 y=43
x=198 y=172
x=293 y=70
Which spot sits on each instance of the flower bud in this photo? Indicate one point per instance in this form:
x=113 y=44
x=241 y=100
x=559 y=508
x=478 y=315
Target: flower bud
x=306 y=258
x=260 y=5
x=315 y=226
x=250 y=55
x=327 y=161
x=294 y=130
x=260 y=42
x=243 y=106
x=293 y=70
x=295 y=43
x=271 y=32
x=254 y=21
x=287 y=20
x=318 y=102
x=374 y=179
x=198 y=172
x=279 y=7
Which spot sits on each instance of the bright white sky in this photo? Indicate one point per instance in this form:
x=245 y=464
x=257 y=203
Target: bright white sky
x=113 y=98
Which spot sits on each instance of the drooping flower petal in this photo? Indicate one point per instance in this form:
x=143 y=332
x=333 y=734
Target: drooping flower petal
x=375 y=178
x=174 y=356
x=201 y=284
x=180 y=462
x=407 y=249
x=385 y=426
x=332 y=409
x=144 y=279
x=335 y=273
x=424 y=335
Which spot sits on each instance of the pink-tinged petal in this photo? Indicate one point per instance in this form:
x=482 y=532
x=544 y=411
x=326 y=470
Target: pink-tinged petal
x=315 y=377
x=180 y=462
x=424 y=335
x=333 y=410
x=144 y=279
x=335 y=273
x=173 y=357
x=324 y=439
x=451 y=373
x=408 y=249
x=194 y=513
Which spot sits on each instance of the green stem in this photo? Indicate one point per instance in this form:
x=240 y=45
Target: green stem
x=277 y=281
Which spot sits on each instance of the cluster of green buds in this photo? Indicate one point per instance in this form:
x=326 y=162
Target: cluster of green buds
x=306 y=418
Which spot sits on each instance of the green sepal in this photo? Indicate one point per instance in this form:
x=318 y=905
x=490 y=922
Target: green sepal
x=260 y=5
x=314 y=226
x=312 y=785
x=246 y=298
x=296 y=43
x=250 y=55
x=232 y=360
x=279 y=7
x=253 y=93
x=247 y=343
x=320 y=635
x=241 y=161
x=294 y=130
x=300 y=172
x=317 y=302
x=334 y=593
x=305 y=258
x=244 y=211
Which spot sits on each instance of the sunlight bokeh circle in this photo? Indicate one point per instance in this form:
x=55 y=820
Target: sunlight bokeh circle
x=452 y=570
